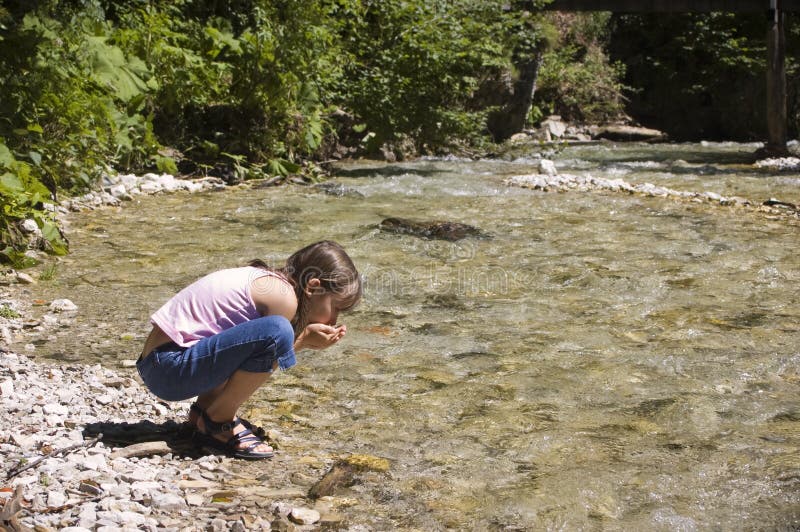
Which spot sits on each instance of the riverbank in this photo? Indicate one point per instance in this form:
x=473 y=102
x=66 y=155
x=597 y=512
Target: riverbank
x=84 y=447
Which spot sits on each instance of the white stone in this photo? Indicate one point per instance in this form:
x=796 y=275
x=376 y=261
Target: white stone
x=108 y=199
x=94 y=462
x=146 y=486
x=150 y=187
x=75 y=529
x=31 y=227
x=23 y=442
x=120 y=192
x=63 y=305
x=129 y=181
x=193 y=187
x=304 y=516
x=547 y=167
x=219 y=525
x=56 y=499
x=168 y=502
x=131 y=518
x=24 y=278
x=6 y=388
x=195 y=499
x=105 y=399
x=140 y=474
x=55 y=409
x=555 y=126
x=169 y=183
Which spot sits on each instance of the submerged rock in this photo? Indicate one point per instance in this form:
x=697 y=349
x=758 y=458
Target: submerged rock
x=337 y=189
x=450 y=231
x=340 y=475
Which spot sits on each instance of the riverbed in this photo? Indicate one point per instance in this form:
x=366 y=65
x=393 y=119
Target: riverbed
x=598 y=361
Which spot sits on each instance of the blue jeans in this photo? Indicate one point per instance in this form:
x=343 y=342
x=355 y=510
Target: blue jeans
x=176 y=373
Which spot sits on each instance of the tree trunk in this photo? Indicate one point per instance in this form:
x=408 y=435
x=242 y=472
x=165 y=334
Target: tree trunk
x=511 y=118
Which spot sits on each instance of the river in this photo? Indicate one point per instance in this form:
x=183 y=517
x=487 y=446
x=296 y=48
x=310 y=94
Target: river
x=601 y=361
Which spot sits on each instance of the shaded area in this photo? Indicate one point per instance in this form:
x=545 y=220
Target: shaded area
x=176 y=436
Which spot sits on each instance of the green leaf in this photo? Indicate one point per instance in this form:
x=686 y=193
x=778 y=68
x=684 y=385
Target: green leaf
x=35 y=128
x=53 y=236
x=36 y=157
x=11 y=183
x=17 y=258
x=111 y=69
x=6 y=158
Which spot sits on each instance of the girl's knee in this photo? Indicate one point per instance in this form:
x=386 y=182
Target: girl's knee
x=282 y=332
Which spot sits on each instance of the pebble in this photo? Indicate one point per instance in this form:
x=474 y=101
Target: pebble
x=304 y=516
x=24 y=278
x=63 y=305
x=31 y=227
x=56 y=499
x=144 y=486
x=168 y=502
x=547 y=167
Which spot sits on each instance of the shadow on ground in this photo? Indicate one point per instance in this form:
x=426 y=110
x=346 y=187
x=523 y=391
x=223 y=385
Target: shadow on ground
x=177 y=436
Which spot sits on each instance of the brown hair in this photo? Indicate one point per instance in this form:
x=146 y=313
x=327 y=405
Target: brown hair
x=327 y=261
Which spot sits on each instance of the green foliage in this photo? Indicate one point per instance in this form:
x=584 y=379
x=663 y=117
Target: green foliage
x=22 y=196
x=577 y=80
x=701 y=76
x=411 y=68
x=8 y=312
x=49 y=272
x=248 y=87
x=166 y=165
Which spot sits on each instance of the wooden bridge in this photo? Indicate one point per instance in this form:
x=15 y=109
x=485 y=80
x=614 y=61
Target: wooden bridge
x=776 y=44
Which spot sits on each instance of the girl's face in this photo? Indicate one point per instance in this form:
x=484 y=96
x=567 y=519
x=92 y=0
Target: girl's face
x=323 y=306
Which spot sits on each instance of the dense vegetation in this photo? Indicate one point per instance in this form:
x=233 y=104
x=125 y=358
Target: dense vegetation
x=249 y=88
x=702 y=76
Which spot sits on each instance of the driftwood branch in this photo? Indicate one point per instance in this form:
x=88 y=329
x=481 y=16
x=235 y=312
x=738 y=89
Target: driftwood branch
x=88 y=443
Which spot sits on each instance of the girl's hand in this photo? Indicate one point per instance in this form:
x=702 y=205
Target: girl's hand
x=319 y=336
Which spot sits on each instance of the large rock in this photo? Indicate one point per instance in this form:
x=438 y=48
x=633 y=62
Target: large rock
x=304 y=516
x=554 y=127
x=450 y=231
x=630 y=133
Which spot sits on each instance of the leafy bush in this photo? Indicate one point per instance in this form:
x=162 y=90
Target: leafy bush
x=701 y=76
x=577 y=80
x=411 y=68
x=23 y=198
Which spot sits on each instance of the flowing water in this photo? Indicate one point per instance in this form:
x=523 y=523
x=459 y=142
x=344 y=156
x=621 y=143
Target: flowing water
x=603 y=361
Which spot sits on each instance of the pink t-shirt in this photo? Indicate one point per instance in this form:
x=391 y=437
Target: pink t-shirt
x=210 y=305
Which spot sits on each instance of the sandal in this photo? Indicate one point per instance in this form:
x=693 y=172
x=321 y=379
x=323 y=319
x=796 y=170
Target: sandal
x=194 y=409
x=233 y=446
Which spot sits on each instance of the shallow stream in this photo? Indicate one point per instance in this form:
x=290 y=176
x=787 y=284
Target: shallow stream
x=603 y=361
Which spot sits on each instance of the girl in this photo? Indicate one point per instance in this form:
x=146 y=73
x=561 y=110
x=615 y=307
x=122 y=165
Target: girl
x=221 y=337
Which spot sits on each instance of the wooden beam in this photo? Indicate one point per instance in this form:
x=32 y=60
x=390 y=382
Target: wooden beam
x=777 y=133
x=671 y=6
